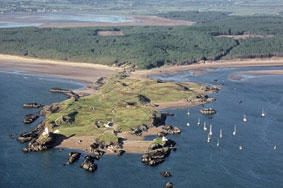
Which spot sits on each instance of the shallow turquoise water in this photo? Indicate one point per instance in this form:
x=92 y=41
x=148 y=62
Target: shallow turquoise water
x=194 y=164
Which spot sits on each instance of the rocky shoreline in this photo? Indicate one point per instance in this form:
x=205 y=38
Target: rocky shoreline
x=40 y=139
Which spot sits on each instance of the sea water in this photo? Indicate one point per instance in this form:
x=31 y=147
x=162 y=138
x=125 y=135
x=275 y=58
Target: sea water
x=195 y=163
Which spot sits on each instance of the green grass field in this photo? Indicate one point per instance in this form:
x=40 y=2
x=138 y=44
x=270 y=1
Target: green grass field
x=124 y=101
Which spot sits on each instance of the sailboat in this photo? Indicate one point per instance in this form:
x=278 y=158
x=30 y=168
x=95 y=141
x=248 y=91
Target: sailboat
x=188 y=124
x=204 y=126
x=210 y=130
x=188 y=112
x=245 y=118
x=235 y=131
x=198 y=121
x=208 y=138
x=262 y=113
x=275 y=147
x=217 y=144
x=220 y=134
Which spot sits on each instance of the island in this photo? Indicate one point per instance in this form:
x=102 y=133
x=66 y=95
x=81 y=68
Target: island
x=115 y=119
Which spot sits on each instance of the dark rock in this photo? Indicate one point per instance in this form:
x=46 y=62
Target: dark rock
x=208 y=111
x=119 y=152
x=49 y=109
x=155 y=157
x=162 y=133
x=171 y=130
x=30 y=118
x=43 y=142
x=28 y=136
x=169 y=185
x=88 y=163
x=66 y=92
x=166 y=174
x=73 y=156
x=10 y=135
x=168 y=114
x=32 y=105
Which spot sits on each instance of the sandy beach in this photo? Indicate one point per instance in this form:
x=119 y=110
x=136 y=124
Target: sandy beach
x=84 y=73
x=89 y=73
x=136 y=21
x=199 y=68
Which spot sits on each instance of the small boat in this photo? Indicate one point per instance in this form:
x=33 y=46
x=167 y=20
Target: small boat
x=188 y=112
x=220 y=134
x=217 y=144
x=240 y=147
x=235 y=130
x=188 y=124
x=210 y=130
x=274 y=147
x=204 y=126
x=208 y=138
x=262 y=113
x=245 y=118
x=198 y=121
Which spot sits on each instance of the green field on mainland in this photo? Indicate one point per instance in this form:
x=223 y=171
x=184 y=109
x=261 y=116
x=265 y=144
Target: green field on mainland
x=124 y=101
x=146 y=47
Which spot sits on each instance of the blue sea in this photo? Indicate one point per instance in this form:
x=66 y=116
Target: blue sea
x=196 y=163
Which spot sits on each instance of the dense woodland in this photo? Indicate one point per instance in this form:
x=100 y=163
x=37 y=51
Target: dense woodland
x=149 y=47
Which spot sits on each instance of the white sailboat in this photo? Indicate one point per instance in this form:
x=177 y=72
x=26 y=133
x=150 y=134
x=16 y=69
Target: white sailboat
x=220 y=134
x=208 y=138
x=262 y=113
x=188 y=112
x=210 y=130
x=275 y=147
x=198 y=121
x=240 y=147
x=245 y=118
x=217 y=144
x=204 y=126
x=188 y=124
x=235 y=130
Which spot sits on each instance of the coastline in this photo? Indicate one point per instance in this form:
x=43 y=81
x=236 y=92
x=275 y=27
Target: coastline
x=90 y=73
x=200 y=67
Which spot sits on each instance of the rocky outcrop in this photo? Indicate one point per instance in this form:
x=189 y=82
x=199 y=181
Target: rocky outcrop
x=156 y=156
x=30 y=118
x=168 y=129
x=211 y=89
x=208 y=111
x=73 y=156
x=32 y=105
x=168 y=114
x=65 y=91
x=49 y=109
x=156 y=153
x=43 y=142
x=169 y=185
x=119 y=152
x=140 y=130
x=166 y=174
x=28 y=136
x=88 y=163
x=98 y=146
